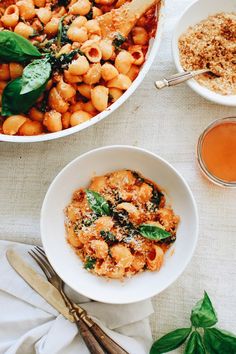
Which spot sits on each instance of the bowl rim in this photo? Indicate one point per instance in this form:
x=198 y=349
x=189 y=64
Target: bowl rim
x=102 y=115
x=226 y=100
x=173 y=170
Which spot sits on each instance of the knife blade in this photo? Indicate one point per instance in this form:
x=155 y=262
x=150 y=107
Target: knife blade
x=38 y=283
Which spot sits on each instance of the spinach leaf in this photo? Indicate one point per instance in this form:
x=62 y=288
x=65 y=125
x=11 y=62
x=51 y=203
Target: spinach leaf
x=43 y=105
x=156 y=196
x=195 y=344
x=89 y=15
x=88 y=222
x=170 y=341
x=62 y=37
x=63 y=2
x=203 y=313
x=108 y=236
x=60 y=29
x=153 y=232
x=15 y=48
x=218 y=341
x=13 y=102
x=118 y=41
x=35 y=75
x=97 y=203
x=90 y=263
x=61 y=62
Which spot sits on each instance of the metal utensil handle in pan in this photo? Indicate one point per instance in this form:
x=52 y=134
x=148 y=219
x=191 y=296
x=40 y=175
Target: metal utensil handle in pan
x=176 y=79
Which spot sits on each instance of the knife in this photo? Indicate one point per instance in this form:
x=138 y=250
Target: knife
x=93 y=335
x=38 y=283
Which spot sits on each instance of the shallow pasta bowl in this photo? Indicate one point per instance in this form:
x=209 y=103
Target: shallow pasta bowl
x=77 y=174
x=153 y=47
x=195 y=13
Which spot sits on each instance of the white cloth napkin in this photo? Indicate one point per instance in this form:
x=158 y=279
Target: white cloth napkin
x=28 y=324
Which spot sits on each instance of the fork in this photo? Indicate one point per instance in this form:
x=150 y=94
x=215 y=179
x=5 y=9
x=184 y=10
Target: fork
x=95 y=338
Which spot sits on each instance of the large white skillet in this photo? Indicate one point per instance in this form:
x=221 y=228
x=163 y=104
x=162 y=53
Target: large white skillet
x=153 y=47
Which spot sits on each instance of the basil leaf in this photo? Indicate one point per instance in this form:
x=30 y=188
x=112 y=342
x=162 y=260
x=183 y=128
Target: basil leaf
x=153 y=232
x=195 y=344
x=13 y=102
x=89 y=263
x=35 y=75
x=97 y=203
x=170 y=341
x=203 y=313
x=15 y=48
x=218 y=341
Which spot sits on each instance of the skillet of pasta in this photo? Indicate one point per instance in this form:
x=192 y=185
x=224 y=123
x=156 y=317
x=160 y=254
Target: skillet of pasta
x=56 y=71
x=120 y=225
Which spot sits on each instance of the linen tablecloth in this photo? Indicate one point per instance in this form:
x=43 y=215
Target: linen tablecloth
x=168 y=123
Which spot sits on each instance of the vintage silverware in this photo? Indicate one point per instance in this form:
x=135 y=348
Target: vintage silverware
x=79 y=313
x=38 y=283
x=177 y=79
x=53 y=297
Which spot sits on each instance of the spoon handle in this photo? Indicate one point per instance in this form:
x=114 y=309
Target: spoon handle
x=176 y=79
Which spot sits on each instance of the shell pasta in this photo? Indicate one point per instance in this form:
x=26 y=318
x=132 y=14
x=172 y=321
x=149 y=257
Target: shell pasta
x=87 y=72
x=120 y=225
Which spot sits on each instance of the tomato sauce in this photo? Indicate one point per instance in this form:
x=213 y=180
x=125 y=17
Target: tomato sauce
x=219 y=151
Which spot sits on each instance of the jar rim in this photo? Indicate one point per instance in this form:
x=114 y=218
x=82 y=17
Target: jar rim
x=218 y=181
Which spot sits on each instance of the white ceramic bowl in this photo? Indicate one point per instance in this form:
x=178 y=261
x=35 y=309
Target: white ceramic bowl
x=195 y=13
x=153 y=47
x=69 y=266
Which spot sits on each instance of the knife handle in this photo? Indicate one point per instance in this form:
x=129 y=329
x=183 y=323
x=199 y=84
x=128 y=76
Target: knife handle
x=89 y=339
x=108 y=344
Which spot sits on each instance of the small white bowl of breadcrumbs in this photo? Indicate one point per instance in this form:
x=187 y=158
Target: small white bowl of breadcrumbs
x=205 y=38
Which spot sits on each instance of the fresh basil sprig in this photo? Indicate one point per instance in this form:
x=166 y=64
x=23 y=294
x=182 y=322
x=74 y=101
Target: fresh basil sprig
x=214 y=341
x=195 y=344
x=35 y=75
x=97 y=203
x=170 y=341
x=153 y=232
x=15 y=48
x=203 y=313
x=219 y=341
x=12 y=100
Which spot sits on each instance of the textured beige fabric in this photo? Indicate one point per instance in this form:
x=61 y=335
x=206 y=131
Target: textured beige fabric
x=168 y=123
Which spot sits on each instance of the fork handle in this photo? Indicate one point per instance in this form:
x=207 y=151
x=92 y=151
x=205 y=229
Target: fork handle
x=84 y=328
x=91 y=342
x=108 y=344
x=176 y=79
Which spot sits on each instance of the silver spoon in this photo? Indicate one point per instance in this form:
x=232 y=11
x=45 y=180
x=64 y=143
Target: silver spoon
x=179 y=78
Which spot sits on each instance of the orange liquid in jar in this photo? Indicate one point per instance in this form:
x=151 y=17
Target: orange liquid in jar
x=219 y=151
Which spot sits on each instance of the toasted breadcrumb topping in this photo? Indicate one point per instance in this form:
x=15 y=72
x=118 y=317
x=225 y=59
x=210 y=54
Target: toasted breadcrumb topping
x=211 y=44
